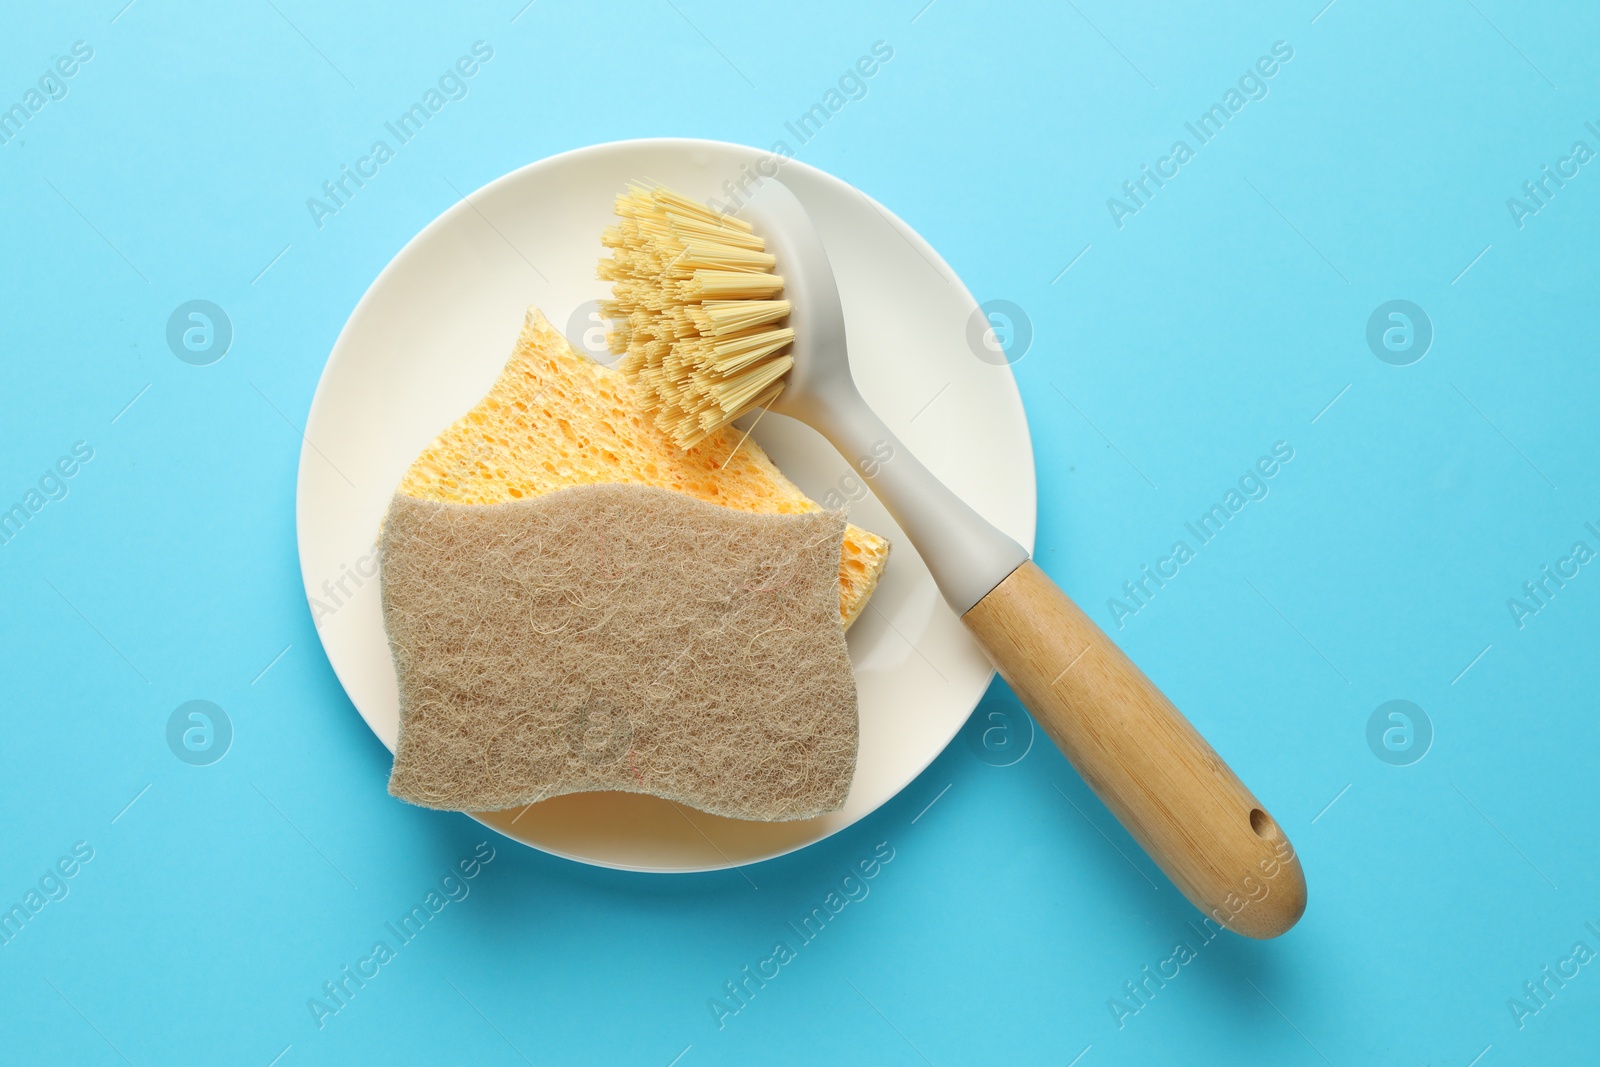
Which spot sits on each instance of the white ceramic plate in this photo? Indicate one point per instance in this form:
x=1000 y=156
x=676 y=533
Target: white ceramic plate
x=432 y=333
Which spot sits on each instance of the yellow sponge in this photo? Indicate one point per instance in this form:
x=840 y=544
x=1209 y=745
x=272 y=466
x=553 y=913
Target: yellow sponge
x=556 y=419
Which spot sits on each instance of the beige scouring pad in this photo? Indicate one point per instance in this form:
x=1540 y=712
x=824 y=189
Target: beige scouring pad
x=619 y=637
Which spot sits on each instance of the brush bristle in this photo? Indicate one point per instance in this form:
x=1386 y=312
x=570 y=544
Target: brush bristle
x=695 y=312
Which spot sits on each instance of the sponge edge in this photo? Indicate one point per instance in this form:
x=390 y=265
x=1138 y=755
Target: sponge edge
x=616 y=637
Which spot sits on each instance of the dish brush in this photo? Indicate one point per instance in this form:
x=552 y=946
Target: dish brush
x=719 y=316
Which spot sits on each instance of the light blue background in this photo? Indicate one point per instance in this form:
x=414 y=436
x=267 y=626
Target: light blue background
x=1223 y=317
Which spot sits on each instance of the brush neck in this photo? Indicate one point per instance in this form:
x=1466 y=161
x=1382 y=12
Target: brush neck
x=966 y=554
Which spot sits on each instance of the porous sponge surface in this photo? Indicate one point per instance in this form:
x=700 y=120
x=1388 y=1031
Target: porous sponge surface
x=556 y=419
x=618 y=637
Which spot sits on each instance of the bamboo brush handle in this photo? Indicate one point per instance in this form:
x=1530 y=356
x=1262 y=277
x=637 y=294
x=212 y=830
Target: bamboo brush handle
x=1141 y=756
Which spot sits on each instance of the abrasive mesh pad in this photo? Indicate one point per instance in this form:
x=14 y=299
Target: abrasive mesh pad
x=618 y=637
